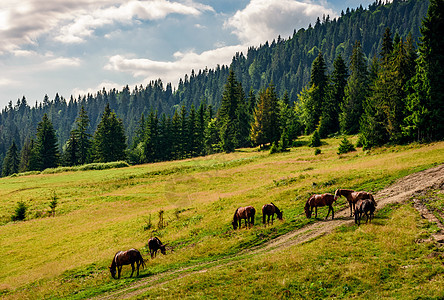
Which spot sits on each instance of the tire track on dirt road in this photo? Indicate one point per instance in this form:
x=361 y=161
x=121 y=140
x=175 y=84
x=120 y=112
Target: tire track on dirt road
x=402 y=190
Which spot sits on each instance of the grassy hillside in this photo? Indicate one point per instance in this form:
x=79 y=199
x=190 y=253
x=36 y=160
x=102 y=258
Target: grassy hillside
x=101 y=212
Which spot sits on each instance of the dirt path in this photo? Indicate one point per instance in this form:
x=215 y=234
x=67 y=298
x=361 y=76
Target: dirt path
x=400 y=191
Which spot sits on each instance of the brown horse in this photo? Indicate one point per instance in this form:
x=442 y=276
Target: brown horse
x=352 y=197
x=128 y=257
x=246 y=213
x=154 y=244
x=320 y=200
x=364 y=207
x=268 y=210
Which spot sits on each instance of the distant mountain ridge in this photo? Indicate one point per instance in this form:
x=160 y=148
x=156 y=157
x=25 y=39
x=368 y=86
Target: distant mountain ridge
x=285 y=62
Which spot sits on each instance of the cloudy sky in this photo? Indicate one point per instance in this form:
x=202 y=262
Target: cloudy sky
x=78 y=46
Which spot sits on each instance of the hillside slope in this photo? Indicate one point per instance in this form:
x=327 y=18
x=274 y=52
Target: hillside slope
x=399 y=192
x=101 y=212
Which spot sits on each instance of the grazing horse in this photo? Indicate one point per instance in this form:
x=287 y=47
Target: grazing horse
x=268 y=210
x=320 y=200
x=352 y=197
x=364 y=206
x=155 y=244
x=128 y=257
x=246 y=213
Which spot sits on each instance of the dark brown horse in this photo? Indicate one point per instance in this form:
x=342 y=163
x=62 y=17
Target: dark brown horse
x=352 y=197
x=154 y=244
x=246 y=213
x=364 y=207
x=320 y=200
x=128 y=257
x=268 y=210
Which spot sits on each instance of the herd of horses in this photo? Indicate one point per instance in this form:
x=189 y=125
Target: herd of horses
x=361 y=203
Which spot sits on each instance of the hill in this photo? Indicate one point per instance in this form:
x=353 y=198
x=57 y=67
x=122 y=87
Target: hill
x=102 y=211
x=285 y=62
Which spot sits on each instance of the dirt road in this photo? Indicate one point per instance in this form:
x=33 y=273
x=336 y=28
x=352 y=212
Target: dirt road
x=400 y=191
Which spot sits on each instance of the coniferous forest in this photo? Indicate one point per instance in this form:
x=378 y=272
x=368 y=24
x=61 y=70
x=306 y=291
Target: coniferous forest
x=376 y=72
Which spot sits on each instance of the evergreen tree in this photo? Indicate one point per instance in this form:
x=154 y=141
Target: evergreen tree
x=232 y=100
x=82 y=137
x=25 y=156
x=339 y=81
x=46 y=145
x=11 y=161
x=355 y=92
x=319 y=92
x=425 y=119
x=109 y=142
x=70 y=155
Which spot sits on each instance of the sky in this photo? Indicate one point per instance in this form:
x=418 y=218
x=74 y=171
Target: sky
x=75 y=47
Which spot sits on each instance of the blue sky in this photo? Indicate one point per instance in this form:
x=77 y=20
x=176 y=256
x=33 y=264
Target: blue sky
x=78 y=46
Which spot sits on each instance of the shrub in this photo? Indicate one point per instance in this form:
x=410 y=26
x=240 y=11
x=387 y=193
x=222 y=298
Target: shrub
x=315 y=139
x=345 y=146
x=20 y=212
x=317 y=151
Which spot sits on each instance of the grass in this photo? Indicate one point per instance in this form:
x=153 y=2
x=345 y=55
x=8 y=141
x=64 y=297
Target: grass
x=101 y=211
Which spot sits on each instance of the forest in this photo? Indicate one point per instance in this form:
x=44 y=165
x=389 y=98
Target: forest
x=375 y=72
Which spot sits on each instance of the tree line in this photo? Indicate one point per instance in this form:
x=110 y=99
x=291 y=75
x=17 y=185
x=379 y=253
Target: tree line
x=391 y=99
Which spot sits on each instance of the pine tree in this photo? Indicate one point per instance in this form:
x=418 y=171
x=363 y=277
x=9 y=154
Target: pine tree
x=11 y=161
x=83 y=137
x=46 y=145
x=109 y=142
x=339 y=81
x=355 y=92
x=425 y=119
x=232 y=99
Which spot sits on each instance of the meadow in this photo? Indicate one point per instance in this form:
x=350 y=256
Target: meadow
x=102 y=211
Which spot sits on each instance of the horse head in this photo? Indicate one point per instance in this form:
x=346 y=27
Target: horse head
x=163 y=249
x=279 y=214
x=112 y=269
x=307 y=208
x=337 y=194
x=234 y=223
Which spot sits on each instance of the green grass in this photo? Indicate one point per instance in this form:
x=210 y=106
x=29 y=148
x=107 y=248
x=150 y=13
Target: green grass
x=102 y=211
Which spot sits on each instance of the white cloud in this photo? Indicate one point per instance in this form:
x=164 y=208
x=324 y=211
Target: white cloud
x=8 y=82
x=264 y=20
x=171 y=71
x=108 y=85
x=71 y=21
x=85 y=24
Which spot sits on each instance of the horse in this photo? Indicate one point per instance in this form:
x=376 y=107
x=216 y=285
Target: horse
x=364 y=206
x=154 y=244
x=352 y=197
x=128 y=257
x=319 y=200
x=246 y=213
x=269 y=210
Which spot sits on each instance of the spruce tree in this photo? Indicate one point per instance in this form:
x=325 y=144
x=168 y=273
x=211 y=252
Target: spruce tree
x=83 y=137
x=356 y=91
x=11 y=161
x=425 y=107
x=46 y=145
x=109 y=142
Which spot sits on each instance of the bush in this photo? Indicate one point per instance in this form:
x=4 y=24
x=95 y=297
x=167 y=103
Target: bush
x=345 y=146
x=315 y=139
x=317 y=151
x=20 y=212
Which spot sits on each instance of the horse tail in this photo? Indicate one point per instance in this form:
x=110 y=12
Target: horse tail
x=263 y=215
x=253 y=212
x=373 y=199
x=141 y=260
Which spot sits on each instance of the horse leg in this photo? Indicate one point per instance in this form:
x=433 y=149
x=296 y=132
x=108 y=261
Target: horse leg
x=132 y=269
x=332 y=212
x=351 y=207
x=328 y=212
x=316 y=212
x=119 y=269
x=138 y=264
